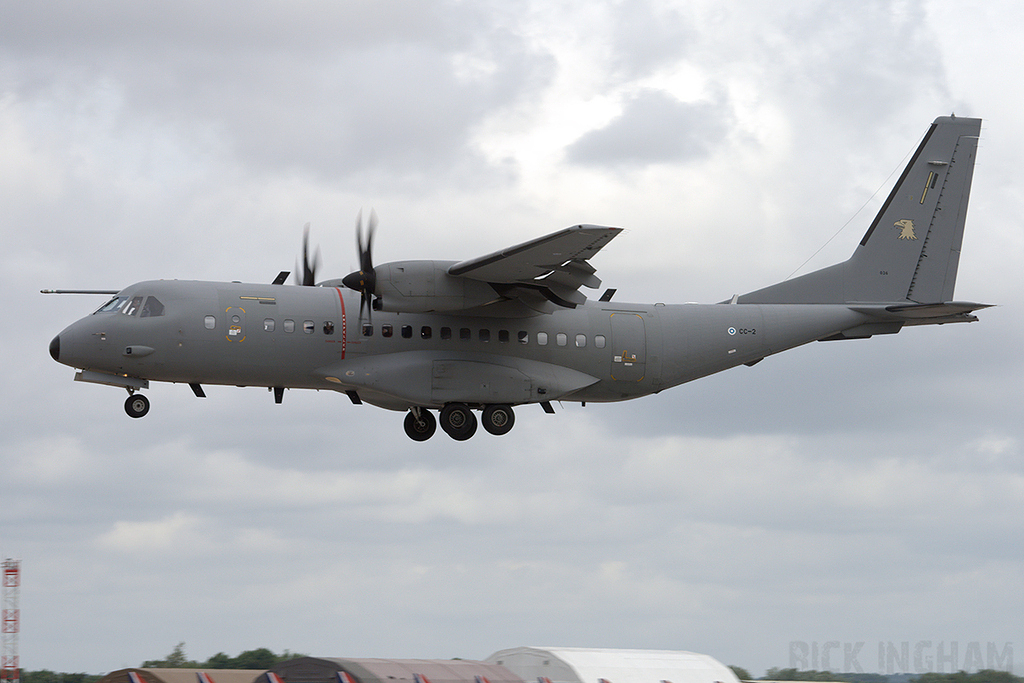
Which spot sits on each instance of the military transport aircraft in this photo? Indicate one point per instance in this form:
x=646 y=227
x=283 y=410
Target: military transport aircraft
x=512 y=328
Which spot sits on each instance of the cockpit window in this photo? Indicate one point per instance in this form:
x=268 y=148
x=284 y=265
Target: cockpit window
x=138 y=306
x=114 y=304
x=152 y=308
x=133 y=306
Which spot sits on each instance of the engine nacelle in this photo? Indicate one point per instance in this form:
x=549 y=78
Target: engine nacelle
x=426 y=286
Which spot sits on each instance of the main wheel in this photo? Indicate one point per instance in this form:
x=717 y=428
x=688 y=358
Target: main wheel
x=498 y=419
x=458 y=421
x=137 y=405
x=420 y=429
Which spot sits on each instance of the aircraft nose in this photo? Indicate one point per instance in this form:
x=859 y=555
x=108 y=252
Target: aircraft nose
x=55 y=348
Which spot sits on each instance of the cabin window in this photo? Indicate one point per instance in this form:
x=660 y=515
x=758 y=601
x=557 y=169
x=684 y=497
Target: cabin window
x=386 y=330
x=406 y=331
x=465 y=334
x=581 y=341
x=523 y=336
x=209 y=322
x=367 y=330
x=308 y=326
x=484 y=335
x=599 y=341
x=446 y=333
x=153 y=308
x=503 y=336
x=328 y=327
x=426 y=332
x=268 y=324
x=561 y=339
x=542 y=338
x=289 y=326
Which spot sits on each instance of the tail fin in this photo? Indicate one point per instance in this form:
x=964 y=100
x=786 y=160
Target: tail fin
x=911 y=252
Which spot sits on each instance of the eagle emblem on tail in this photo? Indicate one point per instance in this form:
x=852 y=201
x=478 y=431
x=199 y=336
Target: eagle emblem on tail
x=906 y=227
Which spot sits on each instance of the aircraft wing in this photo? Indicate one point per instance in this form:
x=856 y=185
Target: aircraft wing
x=551 y=268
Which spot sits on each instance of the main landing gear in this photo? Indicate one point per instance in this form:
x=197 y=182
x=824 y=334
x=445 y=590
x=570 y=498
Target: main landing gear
x=137 y=405
x=458 y=421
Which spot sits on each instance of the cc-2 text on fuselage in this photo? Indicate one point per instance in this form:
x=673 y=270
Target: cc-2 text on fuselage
x=513 y=328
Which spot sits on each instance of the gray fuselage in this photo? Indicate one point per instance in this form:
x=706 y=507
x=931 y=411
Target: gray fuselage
x=312 y=338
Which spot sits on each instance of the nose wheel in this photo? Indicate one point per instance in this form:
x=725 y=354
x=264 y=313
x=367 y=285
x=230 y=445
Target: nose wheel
x=137 y=405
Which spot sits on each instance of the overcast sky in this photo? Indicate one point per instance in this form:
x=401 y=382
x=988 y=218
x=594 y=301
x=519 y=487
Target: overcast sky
x=854 y=492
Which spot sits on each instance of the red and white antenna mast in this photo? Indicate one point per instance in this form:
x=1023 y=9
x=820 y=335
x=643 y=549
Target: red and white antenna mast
x=10 y=671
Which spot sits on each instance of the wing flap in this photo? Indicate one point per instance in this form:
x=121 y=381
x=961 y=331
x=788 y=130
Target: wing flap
x=555 y=264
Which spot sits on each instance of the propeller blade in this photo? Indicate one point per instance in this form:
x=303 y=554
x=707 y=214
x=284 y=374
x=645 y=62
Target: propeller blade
x=371 y=228
x=364 y=280
x=308 y=272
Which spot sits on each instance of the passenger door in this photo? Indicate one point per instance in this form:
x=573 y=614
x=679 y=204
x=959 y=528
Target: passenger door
x=629 y=347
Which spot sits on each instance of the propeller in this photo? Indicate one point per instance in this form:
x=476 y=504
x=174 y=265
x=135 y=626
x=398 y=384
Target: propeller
x=306 y=276
x=364 y=280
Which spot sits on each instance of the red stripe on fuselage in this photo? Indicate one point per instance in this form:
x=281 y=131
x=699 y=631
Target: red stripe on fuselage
x=344 y=324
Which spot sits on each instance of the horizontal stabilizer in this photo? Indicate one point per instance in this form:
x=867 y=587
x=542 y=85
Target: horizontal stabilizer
x=925 y=314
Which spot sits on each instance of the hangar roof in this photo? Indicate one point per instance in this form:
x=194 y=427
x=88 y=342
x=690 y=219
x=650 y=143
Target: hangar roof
x=587 y=665
x=325 y=670
x=182 y=675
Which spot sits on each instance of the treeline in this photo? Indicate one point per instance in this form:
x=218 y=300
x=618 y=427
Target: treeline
x=47 y=676
x=260 y=658
x=776 y=674
x=983 y=676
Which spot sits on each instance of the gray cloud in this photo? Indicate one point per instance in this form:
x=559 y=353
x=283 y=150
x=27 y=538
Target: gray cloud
x=654 y=127
x=337 y=92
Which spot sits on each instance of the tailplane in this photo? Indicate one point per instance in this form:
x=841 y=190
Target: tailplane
x=910 y=254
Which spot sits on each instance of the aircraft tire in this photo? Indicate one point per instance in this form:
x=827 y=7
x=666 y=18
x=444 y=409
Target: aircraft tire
x=458 y=421
x=422 y=429
x=137 y=405
x=498 y=419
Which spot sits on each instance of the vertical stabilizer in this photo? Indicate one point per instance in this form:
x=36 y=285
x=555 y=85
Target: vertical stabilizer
x=912 y=249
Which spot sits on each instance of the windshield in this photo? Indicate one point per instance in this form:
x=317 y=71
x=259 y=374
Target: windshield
x=137 y=306
x=114 y=304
